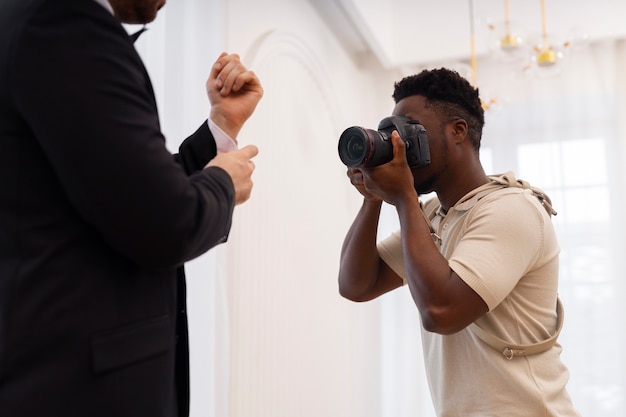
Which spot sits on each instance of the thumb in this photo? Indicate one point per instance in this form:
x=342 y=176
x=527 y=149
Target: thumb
x=399 y=146
x=249 y=151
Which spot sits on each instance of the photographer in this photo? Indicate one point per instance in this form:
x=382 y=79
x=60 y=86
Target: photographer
x=480 y=260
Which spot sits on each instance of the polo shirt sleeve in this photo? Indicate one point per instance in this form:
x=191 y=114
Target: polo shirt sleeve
x=390 y=251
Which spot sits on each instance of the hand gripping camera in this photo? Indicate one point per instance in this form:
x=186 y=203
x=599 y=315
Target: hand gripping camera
x=360 y=147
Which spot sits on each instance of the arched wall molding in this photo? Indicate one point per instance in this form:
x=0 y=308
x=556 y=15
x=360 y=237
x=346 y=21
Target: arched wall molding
x=287 y=328
x=276 y=43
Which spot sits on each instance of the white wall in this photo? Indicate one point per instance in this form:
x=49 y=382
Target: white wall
x=296 y=347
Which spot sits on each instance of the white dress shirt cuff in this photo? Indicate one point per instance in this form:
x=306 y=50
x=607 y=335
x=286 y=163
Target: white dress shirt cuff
x=223 y=142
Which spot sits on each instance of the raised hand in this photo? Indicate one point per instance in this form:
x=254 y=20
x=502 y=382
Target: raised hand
x=234 y=91
x=392 y=182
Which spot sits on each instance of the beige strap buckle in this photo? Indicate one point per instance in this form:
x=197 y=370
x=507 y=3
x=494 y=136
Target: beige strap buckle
x=511 y=353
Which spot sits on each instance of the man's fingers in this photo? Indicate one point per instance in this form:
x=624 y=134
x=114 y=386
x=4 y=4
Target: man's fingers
x=250 y=151
x=399 y=145
x=231 y=69
x=356 y=176
x=221 y=68
x=241 y=80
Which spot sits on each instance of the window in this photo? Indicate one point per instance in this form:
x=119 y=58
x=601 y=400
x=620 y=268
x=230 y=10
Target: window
x=582 y=176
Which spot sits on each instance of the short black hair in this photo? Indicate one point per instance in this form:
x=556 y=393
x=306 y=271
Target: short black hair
x=449 y=94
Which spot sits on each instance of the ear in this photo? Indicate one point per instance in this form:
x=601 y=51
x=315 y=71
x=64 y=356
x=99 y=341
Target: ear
x=459 y=129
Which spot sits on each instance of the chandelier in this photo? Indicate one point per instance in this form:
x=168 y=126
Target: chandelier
x=541 y=55
x=507 y=39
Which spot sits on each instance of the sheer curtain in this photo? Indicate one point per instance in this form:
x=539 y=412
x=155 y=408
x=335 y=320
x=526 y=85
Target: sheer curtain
x=566 y=135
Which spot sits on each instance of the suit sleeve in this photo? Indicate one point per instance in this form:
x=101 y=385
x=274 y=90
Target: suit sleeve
x=197 y=150
x=85 y=95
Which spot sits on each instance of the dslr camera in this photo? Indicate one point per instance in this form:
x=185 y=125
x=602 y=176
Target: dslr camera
x=361 y=147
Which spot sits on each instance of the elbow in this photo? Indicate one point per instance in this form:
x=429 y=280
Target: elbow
x=438 y=321
x=352 y=292
x=439 y=328
x=349 y=294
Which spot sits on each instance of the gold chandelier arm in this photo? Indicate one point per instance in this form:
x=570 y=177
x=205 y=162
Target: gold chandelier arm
x=472 y=42
x=544 y=25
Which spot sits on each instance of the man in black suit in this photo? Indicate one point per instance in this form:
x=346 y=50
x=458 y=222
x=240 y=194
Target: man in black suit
x=97 y=218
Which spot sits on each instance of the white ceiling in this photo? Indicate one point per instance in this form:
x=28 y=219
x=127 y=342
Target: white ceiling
x=402 y=33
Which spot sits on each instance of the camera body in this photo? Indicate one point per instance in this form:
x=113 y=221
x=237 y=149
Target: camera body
x=361 y=147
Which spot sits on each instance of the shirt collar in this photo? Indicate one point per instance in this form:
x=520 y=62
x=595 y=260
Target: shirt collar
x=105 y=4
x=470 y=199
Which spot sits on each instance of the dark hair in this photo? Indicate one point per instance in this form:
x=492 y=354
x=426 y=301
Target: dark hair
x=449 y=94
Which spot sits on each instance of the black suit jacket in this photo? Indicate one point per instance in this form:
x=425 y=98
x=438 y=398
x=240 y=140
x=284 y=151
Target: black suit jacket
x=96 y=220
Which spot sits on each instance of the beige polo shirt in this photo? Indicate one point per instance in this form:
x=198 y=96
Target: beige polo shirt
x=501 y=242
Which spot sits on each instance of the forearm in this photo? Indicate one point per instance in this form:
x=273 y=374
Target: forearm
x=427 y=271
x=359 y=263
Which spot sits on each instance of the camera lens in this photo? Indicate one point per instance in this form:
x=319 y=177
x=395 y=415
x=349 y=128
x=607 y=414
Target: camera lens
x=354 y=146
x=360 y=147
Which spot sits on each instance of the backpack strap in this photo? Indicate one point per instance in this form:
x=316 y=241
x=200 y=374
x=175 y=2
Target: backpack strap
x=508 y=180
x=511 y=350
